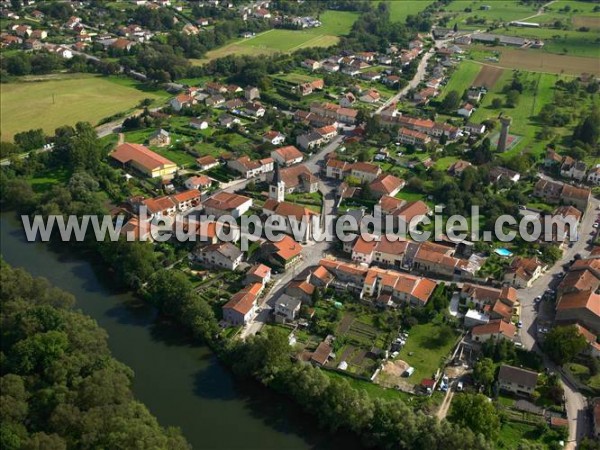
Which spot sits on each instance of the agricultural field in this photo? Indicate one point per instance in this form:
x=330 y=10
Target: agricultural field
x=539 y=91
x=335 y=24
x=400 y=9
x=463 y=78
x=499 y=12
x=534 y=60
x=52 y=101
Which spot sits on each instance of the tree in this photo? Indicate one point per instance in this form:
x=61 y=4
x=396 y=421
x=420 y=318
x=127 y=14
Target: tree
x=455 y=28
x=588 y=131
x=512 y=98
x=563 y=343
x=475 y=411
x=497 y=103
x=484 y=373
x=451 y=102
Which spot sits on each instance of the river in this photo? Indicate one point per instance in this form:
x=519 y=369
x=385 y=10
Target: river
x=183 y=384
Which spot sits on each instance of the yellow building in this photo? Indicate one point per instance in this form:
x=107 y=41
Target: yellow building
x=144 y=160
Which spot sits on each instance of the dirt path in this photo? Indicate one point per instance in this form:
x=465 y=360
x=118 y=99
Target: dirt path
x=445 y=406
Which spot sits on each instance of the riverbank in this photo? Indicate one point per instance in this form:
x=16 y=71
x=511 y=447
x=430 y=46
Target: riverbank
x=182 y=383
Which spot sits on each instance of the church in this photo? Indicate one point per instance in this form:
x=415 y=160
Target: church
x=293 y=216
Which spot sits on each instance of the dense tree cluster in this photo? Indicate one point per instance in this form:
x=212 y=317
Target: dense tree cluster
x=562 y=344
x=380 y=423
x=59 y=387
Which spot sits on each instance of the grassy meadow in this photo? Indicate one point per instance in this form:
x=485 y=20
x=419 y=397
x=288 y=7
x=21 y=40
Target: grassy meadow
x=335 y=24
x=52 y=101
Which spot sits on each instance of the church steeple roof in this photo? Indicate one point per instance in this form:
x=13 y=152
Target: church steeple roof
x=276 y=175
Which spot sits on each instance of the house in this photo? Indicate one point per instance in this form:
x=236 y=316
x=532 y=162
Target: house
x=523 y=272
x=594 y=176
x=517 y=380
x=300 y=289
x=198 y=123
x=497 y=174
x=424 y=95
x=182 y=101
x=160 y=138
x=386 y=184
x=321 y=277
x=327 y=132
x=403 y=288
x=573 y=169
x=259 y=273
x=310 y=64
x=474 y=95
x=347 y=100
x=466 y=110
x=122 y=44
x=224 y=203
x=287 y=156
x=287 y=308
x=330 y=66
x=578 y=197
x=321 y=355
x=371 y=96
x=494 y=329
x=186 y=200
x=251 y=93
x=407 y=214
x=439 y=259
x=291 y=215
x=309 y=141
x=273 y=137
x=250 y=168
x=215 y=88
x=223 y=255
x=227 y=121
x=391 y=80
x=283 y=253
x=411 y=137
x=336 y=169
x=580 y=307
x=370 y=76
x=199 y=182
x=39 y=34
x=214 y=100
x=33 y=44
x=481 y=296
x=143 y=160
x=475 y=128
x=241 y=308
x=365 y=171
x=458 y=167
x=254 y=109
x=207 y=162
x=548 y=190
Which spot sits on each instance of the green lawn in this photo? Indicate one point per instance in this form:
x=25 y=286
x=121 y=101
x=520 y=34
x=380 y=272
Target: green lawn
x=462 y=78
x=45 y=181
x=334 y=24
x=50 y=102
x=530 y=103
x=512 y=434
x=445 y=162
x=428 y=352
x=400 y=9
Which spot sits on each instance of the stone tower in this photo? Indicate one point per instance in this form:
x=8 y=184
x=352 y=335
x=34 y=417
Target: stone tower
x=277 y=186
x=505 y=121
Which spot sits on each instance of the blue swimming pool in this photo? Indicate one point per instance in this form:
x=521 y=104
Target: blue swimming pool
x=503 y=252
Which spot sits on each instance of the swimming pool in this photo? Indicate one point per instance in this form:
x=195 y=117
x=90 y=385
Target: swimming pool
x=503 y=252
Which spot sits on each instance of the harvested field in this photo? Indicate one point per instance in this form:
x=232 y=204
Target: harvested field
x=539 y=61
x=586 y=21
x=488 y=76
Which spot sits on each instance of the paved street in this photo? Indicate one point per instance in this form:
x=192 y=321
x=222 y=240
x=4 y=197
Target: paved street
x=311 y=253
x=575 y=402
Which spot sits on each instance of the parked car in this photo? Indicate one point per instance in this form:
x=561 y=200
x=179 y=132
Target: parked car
x=459 y=386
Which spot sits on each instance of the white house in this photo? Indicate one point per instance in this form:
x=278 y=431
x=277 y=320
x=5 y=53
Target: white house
x=287 y=156
x=222 y=255
x=466 y=110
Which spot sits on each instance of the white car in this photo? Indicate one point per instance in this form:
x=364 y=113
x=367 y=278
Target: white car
x=459 y=386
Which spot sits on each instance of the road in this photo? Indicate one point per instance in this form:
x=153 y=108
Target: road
x=311 y=252
x=575 y=402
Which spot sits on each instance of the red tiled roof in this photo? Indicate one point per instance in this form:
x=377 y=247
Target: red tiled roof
x=289 y=153
x=495 y=327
